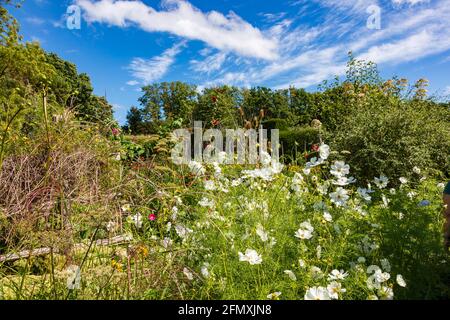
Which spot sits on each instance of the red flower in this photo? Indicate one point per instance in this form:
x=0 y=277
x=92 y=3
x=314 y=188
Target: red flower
x=215 y=122
x=115 y=131
x=315 y=148
x=152 y=217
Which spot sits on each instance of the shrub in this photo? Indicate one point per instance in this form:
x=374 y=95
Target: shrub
x=395 y=137
x=280 y=124
x=298 y=140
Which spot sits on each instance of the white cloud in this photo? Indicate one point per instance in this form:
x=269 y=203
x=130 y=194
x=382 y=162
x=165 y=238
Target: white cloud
x=210 y=64
x=132 y=83
x=411 y=2
x=447 y=91
x=411 y=48
x=227 y=33
x=35 y=21
x=309 y=55
x=148 y=71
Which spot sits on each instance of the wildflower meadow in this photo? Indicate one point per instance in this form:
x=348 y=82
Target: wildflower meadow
x=221 y=190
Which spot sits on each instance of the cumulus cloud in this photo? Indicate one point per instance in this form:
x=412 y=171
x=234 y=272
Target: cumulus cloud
x=227 y=33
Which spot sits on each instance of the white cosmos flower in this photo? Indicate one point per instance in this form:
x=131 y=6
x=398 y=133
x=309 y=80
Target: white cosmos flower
x=305 y=232
x=337 y=275
x=340 y=197
x=298 y=178
x=400 y=281
x=386 y=293
x=343 y=181
x=178 y=200
x=314 y=162
x=324 y=151
x=327 y=217
x=137 y=220
x=340 y=169
x=262 y=233
x=206 y=203
x=417 y=170
x=188 y=274
x=365 y=194
x=274 y=295
x=196 y=168
x=411 y=194
x=385 y=201
x=291 y=275
x=381 y=182
x=265 y=159
x=126 y=208
x=236 y=182
x=301 y=263
x=74 y=277
x=111 y=226
x=210 y=185
x=317 y=293
x=323 y=189
x=166 y=243
x=316 y=272
x=377 y=278
x=334 y=289
x=250 y=256
x=174 y=213
x=204 y=270
x=182 y=231
x=403 y=180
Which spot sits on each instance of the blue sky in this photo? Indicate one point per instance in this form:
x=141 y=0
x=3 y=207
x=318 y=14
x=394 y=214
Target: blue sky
x=123 y=45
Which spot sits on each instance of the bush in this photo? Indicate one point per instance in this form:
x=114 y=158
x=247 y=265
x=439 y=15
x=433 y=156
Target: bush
x=280 y=124
x=395 y=137
x=298 y=140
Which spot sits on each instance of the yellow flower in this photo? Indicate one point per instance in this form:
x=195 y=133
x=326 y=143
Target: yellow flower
x=116 y=265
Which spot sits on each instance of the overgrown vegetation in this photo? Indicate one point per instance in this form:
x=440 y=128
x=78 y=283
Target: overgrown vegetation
x=111 y=217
